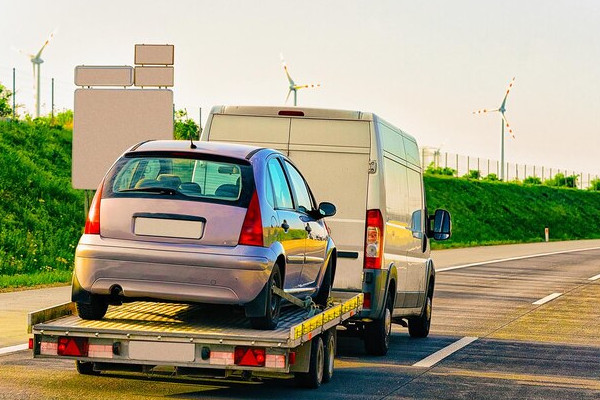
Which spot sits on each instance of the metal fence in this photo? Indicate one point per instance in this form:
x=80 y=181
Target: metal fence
x=512 y=171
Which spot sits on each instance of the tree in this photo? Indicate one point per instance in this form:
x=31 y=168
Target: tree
x=5 y=95
x=185 y=127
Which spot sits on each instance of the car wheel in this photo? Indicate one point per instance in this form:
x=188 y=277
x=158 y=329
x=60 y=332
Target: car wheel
x=325 y=290
x=95 y=310
x=272 y=304
x=419 y=327
x=377 y=332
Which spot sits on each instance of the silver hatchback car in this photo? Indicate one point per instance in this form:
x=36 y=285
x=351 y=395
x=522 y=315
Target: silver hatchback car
x=211 y=223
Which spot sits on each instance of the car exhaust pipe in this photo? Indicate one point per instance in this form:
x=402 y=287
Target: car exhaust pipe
x=116 y=295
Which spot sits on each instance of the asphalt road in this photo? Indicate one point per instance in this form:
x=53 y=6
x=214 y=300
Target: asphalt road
x=511 y=347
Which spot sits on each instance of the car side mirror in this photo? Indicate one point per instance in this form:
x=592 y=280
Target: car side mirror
x=442 y=225
x=326 y=210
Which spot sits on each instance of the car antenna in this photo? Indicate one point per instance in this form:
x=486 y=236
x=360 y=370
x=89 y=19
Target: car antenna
x=192 y=145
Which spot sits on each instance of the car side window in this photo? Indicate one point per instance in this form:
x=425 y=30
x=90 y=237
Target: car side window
x=299 y=185
x=281 y=189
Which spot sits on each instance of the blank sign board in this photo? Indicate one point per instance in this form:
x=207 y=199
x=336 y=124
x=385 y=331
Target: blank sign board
x=109 y=121
x=154 y=54
x=103 y=75
x=154 y=76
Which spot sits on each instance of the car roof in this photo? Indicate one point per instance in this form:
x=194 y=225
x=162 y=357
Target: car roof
x=234 y=150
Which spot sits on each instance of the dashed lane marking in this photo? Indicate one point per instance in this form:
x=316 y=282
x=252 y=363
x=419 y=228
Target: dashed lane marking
x=438 y=356
x=546 y=299
x=14 y=349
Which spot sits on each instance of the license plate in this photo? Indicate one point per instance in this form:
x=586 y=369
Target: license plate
x=157 y=351
x=173 y=228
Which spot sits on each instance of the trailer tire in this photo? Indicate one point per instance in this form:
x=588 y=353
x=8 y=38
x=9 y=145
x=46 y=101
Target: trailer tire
x=85 y=368
x=95 y=310
x=377 y=332
x=272 y=304
x=329 y=338
x=313 y=378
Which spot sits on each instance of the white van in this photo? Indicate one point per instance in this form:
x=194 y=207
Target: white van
x=371 y=171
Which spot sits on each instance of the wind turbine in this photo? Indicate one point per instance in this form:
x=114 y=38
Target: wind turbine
x=36 y=62
x=293 y=87
x=501 y=110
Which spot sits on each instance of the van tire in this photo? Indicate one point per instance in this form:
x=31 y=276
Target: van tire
x=314 y=377
x=93 y=311
x=324 y=292
x=272 y=304
x=377 y=333
x=419 y=327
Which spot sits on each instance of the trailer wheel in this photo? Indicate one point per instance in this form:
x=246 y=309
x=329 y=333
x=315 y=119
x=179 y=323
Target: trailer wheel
x=95 y=310
x=377 y=332
x=313 y=378
x=273 y=304
x=85 y=368
x=330 y=340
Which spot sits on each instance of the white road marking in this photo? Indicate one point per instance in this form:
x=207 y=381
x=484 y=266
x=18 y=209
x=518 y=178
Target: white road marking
x=547 y=299
x=14 y=349
x=513 y=258
x=595 y=277
x=438 y=356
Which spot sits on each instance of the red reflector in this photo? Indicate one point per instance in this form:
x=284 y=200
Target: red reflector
x=367 y=300
x=252 y=229
x=72 y=346
x=291 y=113
x=92 y=223
x=249 y=356
x=292 y=357
x=373 y=240
x=30 y=344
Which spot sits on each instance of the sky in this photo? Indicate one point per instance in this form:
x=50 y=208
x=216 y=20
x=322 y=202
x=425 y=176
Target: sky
x=423 y=66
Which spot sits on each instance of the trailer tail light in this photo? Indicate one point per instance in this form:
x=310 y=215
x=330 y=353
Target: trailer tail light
x=72 y=346
x=252 y=229
x=30 y=346
x=92 y=223
x=221 y=358
x=373 y=240
x=275 y=361
x=249 y=356
x=292 y=357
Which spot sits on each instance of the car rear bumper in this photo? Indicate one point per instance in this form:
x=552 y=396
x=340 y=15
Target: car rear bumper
x=203 y=274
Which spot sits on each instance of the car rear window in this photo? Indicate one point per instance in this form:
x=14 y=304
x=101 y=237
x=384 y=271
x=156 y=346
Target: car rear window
x=213 y=180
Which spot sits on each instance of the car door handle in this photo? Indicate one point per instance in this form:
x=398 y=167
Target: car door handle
x=285 y=225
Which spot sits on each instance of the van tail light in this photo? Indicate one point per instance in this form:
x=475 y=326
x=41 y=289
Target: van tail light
x=72 y=346
x=92 y=223
x=252 y=229
x=249 y=356
x=367 y=301
x=373 y=240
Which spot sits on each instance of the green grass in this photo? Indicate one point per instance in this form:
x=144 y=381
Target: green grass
x=489 y=213
x=41 y=215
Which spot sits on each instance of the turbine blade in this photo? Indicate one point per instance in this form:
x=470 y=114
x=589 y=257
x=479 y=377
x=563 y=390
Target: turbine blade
x=287 y=74
x=288 y=96
x=13 y=48
x=510 y=132
x=39 y=53
x=510 y=85
x=485 y=111
x=311 y=85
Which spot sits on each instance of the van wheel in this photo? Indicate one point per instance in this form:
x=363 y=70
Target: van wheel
x=419 y=327
x=85 y=368
x=377 y=333
x=325 y=290
x=273 y=304
x=313 y=378
x=95 y=310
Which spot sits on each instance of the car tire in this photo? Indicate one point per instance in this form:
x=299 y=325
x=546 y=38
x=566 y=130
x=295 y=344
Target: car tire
x=377 y=332
x=85 y=368
x=419 y=327
x=95 y=310
x=322 y=297
x=313 y=378
x=272 y=304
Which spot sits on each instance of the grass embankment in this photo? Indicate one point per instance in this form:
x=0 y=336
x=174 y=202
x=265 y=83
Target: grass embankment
x=41 y=216
x=487 y=213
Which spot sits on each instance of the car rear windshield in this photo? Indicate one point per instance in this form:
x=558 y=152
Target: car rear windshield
x=182 y=177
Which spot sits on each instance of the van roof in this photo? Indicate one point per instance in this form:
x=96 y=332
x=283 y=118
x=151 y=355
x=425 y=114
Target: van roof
x=275 y=111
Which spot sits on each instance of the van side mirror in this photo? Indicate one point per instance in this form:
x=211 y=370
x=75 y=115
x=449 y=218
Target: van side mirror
x=326 y=210
x=442 y=225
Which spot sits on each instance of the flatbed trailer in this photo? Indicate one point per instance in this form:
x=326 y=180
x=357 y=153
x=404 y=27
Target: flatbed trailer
x=193 y=340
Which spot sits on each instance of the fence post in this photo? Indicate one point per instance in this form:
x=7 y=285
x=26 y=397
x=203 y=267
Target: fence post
x=446 y=162
x=468 y=164
x=497 y=168
x=525 y=172
x=516 y=171
x=457 y=174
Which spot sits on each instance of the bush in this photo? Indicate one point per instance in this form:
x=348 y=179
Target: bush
x=491 y=178
x=595 y=185
x=532 y=180
x=5 y=95
x=560 y=180
x=473 y=174
x=433 y=170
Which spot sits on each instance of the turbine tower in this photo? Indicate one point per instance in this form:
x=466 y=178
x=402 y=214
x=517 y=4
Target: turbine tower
x=293 y=87
x=501 y=110
x=36 y=62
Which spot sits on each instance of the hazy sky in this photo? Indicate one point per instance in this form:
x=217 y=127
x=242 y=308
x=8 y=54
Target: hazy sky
x=422 y=65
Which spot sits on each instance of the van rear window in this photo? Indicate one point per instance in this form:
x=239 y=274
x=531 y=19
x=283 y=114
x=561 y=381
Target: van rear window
x=182 y=178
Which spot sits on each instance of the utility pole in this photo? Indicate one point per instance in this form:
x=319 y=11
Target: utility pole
x=52 y=99
x=13 y=94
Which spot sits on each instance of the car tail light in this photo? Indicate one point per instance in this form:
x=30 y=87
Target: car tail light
x=92 y=223
x=72 y=346
x=373 y=240
x=252 y=229
x=249 y=356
